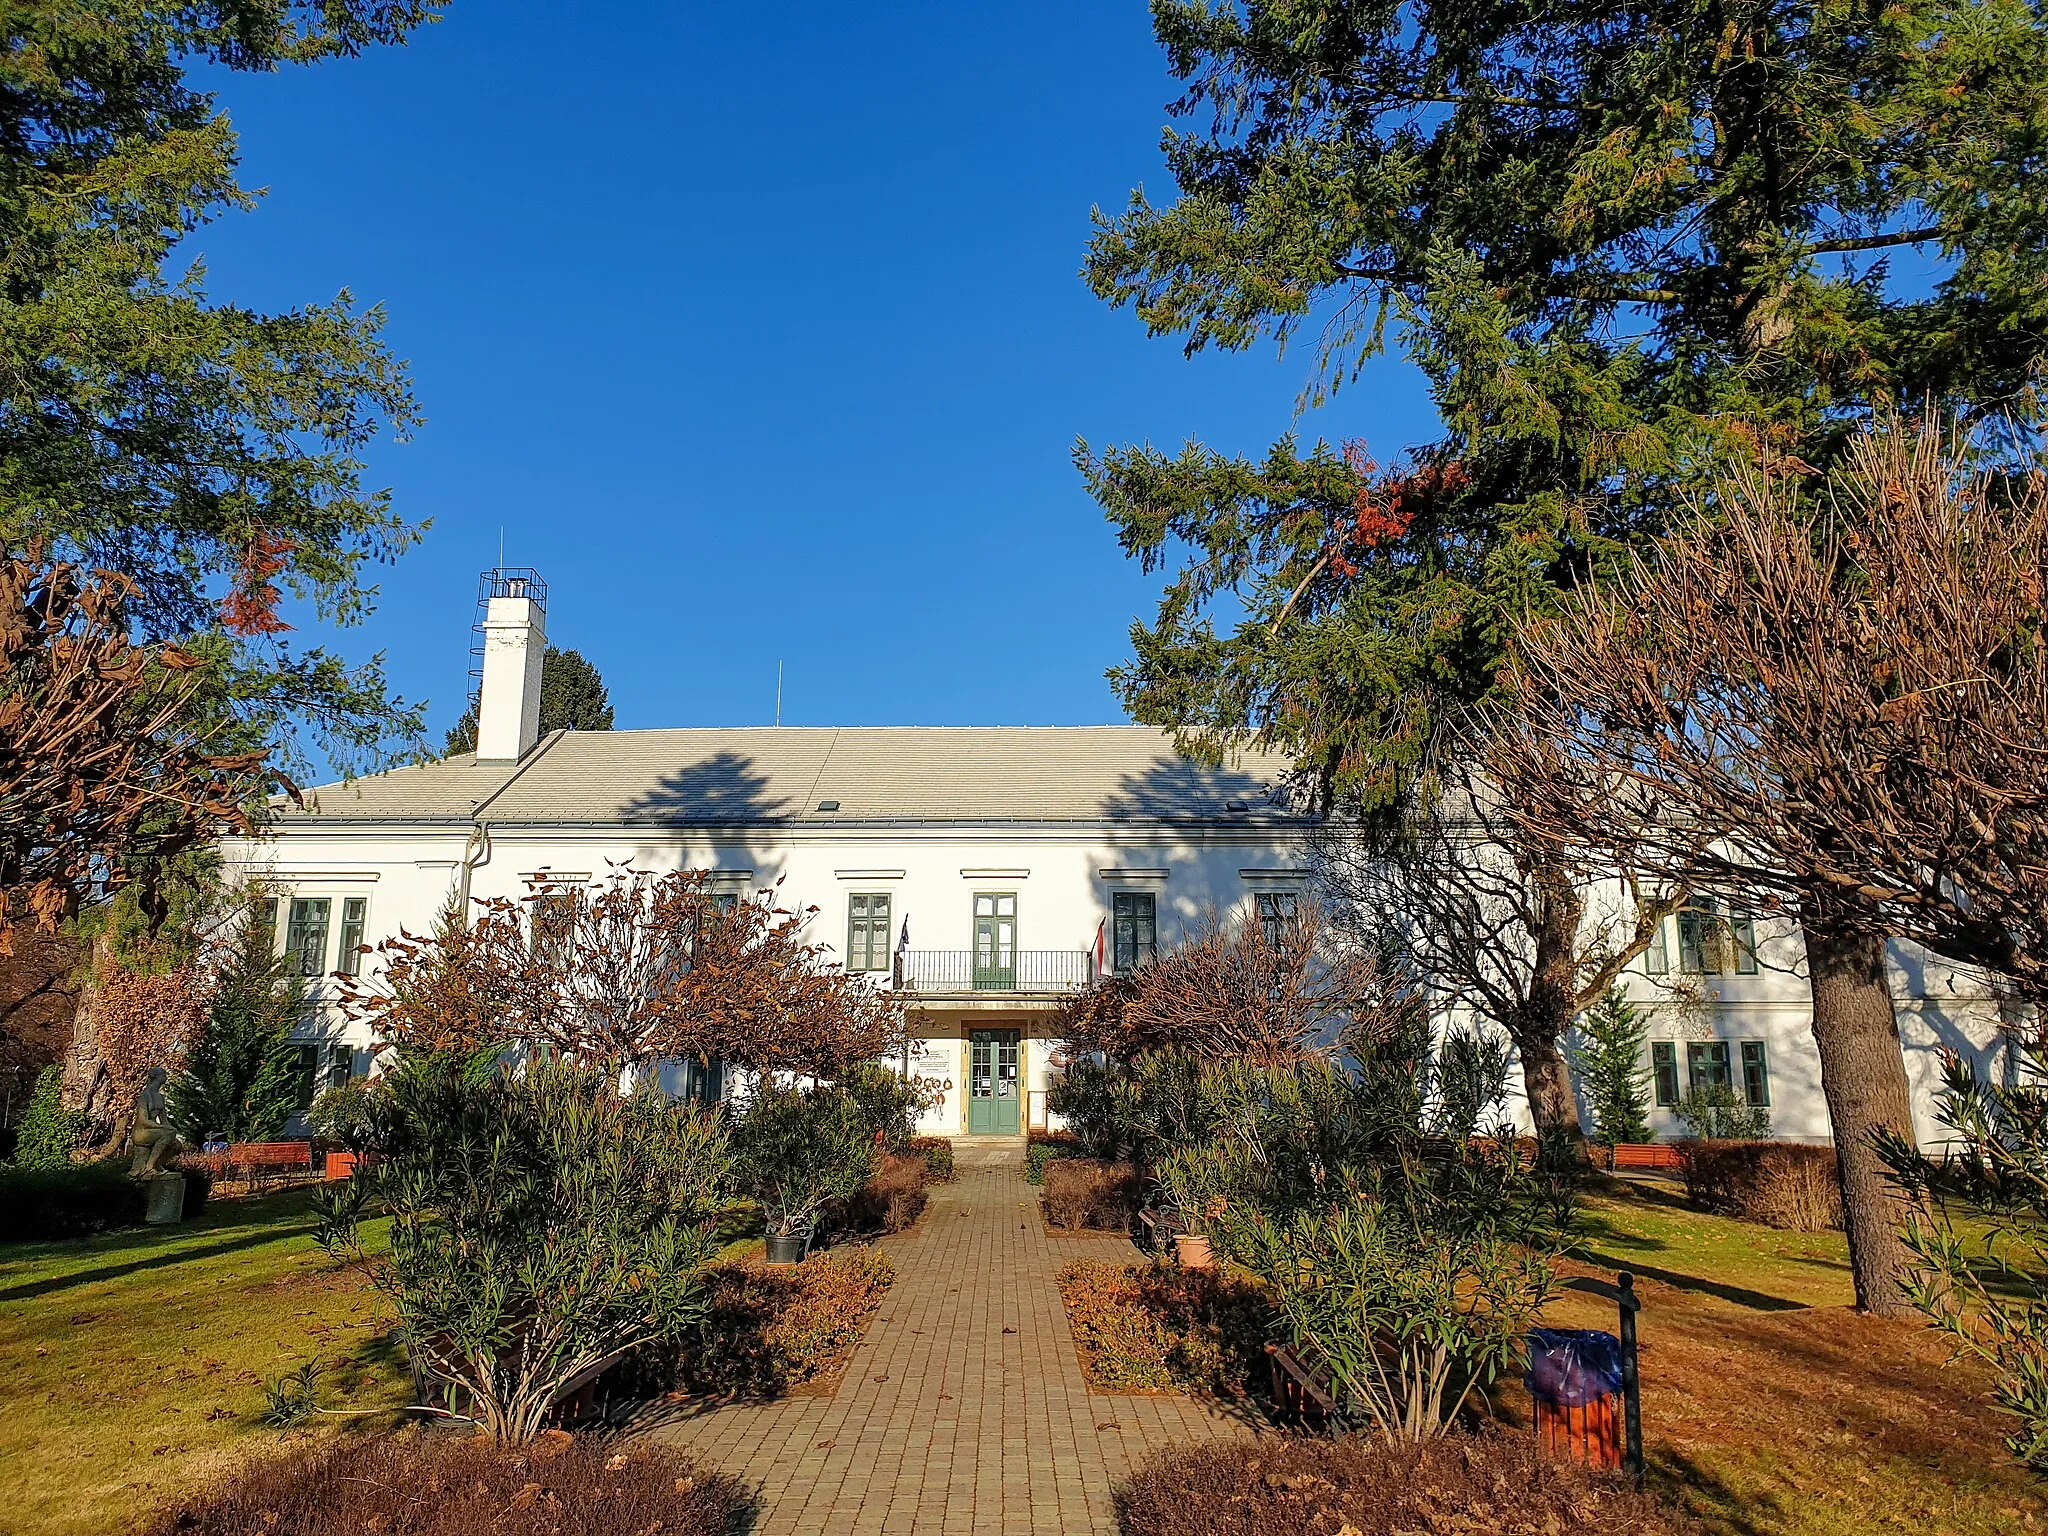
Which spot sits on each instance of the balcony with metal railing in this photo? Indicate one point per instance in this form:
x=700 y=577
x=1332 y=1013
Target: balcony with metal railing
x=978 y=973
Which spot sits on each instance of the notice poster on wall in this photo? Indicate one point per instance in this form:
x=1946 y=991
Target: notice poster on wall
x=931 y=1069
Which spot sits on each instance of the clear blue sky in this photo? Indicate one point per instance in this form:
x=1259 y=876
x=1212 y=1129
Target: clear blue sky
x=759 y=332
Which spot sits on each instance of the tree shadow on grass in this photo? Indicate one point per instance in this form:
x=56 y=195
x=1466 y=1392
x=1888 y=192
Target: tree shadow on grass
x=1741 y=1296
x=1709 y=1497
x=166 y=1257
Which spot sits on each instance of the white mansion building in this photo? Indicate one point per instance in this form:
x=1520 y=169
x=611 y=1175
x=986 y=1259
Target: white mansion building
x=1020 y=861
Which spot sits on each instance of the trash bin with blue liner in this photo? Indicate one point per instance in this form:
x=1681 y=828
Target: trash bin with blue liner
x=1575 y=1381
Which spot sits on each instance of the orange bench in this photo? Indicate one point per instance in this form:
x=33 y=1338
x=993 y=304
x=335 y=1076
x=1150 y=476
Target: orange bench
x=1645 y=1156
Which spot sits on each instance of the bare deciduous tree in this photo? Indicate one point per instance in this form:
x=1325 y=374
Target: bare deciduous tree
x=629 y=971
x=1244 y=989
x=1525 y=942
x=1840 y=709
x=105 y=764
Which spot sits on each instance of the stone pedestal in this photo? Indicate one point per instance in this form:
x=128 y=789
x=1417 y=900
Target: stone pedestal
x=166 y=1195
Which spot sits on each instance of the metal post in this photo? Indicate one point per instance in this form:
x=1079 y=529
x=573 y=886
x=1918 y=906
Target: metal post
x=1631 y=1386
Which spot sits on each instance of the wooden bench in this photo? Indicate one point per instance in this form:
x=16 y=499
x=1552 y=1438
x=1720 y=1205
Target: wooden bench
x=1301 y=1395
x=253 y=1160
x=1644 y=1156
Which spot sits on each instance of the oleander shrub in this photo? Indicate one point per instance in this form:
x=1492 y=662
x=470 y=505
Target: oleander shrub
x=892 y=1200
x=770 y=1329
x=1042 y=1147
x=443 y=1485
x=1087 y=1193
x=937 y=1153
x=1458 y=1485
x=1781 y=1184
x=71 y=1201
x=1156 y=1327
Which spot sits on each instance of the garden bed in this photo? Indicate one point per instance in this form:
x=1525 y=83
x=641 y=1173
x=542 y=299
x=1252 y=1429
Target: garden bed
x=785 y=1330
x=1142 y=1328
x=1492 y=1485
x=419 y=1484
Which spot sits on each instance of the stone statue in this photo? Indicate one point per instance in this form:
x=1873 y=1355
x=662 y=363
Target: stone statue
x=152 y=1140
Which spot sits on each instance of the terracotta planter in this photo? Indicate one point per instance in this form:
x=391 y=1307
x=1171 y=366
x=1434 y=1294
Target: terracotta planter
x=1193 y=1251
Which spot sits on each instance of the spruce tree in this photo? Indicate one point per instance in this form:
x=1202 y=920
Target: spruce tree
x=1609 y=1055
x=572 y=697
x=241 y=1078
x=1626 y=245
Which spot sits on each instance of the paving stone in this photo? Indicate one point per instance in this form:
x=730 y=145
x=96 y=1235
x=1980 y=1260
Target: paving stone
x=977 y=1429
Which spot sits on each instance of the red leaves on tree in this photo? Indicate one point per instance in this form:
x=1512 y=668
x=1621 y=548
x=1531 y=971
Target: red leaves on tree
x=250 y=608
x=1386 y=505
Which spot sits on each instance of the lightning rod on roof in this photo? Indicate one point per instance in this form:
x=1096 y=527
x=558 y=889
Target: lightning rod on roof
x=778 y=693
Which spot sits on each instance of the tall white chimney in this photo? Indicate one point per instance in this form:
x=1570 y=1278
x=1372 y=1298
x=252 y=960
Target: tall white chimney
x=514 y=628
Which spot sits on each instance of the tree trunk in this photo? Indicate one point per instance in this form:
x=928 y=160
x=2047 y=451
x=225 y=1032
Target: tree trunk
x=1863 y=1078
x=1539 y=1023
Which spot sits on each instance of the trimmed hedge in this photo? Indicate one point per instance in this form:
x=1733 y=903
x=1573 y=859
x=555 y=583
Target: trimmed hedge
x=1784 y=1184
x=937 y=1153
x=892 y=1200
x=1042 y=1147
x=79 y=1200
x=1085 y=1192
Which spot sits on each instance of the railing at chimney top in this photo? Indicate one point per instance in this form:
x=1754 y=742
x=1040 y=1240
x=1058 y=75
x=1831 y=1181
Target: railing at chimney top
x=952 y=972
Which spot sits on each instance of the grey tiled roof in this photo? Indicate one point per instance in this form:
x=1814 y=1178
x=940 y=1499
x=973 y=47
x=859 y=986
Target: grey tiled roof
x=779 y=775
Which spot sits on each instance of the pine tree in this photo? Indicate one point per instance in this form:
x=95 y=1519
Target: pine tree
x=48 y=1131
x=572 y=698
x=241 y=1078
x=1609 y=1057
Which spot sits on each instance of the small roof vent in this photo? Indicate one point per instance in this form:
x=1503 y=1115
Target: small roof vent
x=1235 y=805
x=828 y=805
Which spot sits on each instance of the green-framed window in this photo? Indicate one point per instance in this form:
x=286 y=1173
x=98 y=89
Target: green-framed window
x=867 y=931
x=1707 y=1065
x=355 y=917
x=1756 y=1073
x=1664 y=1071
x=1134 y=929
x=305 y=940
x=1711 y=942
x=1657 y=958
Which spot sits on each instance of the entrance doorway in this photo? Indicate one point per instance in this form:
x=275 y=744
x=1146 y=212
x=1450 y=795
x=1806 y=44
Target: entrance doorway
x=993 y=1083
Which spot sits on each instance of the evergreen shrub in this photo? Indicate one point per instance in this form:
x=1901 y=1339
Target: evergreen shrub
x=48 y=1131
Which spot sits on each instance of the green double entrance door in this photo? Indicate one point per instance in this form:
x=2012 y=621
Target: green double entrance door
x=994 y=1085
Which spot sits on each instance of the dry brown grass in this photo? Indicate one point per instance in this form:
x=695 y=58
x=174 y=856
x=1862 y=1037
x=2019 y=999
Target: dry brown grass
x=1491 y=1485
x=438 y=1485
x=1770 y=1407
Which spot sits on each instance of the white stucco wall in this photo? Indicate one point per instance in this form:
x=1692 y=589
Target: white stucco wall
x=1061 y=877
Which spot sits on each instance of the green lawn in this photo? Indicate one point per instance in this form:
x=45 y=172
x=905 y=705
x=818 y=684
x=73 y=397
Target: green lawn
x=134 y=1363
x=134 y=1366
x=1771 y=1407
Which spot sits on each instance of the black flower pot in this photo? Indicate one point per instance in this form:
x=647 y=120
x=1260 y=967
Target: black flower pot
x=787 y=1250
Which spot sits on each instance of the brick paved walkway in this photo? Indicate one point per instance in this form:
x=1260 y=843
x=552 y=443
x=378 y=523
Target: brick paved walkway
x=964 y=1410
